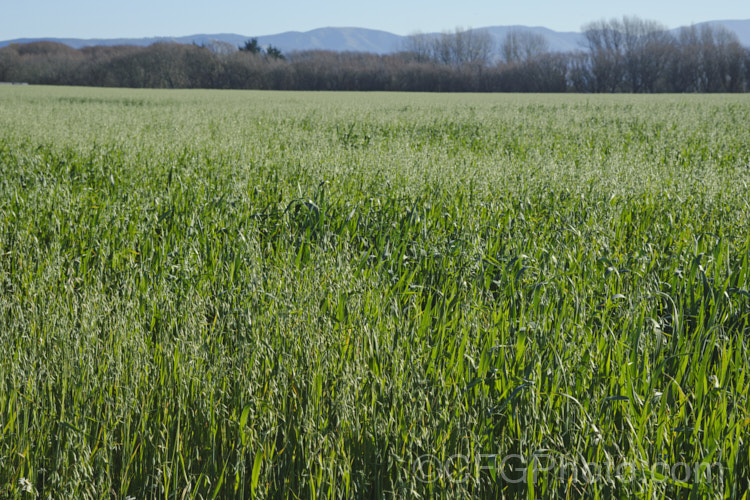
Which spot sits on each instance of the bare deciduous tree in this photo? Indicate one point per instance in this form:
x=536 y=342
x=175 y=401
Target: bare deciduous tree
x=522 y=46
x=622 y=55
x=458 y=48
x=420 y=46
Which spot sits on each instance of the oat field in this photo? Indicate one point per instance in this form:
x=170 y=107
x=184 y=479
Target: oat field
x=235 y=294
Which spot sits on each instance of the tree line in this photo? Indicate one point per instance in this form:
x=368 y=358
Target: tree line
x=619 y=55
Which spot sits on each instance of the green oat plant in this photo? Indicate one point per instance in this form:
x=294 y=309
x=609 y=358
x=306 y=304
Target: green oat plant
x=208 y=294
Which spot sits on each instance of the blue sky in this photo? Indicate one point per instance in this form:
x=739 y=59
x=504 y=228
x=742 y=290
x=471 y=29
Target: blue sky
x=141 y=18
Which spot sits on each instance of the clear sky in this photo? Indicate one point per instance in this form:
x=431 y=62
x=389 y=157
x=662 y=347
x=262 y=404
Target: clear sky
x=144 y=18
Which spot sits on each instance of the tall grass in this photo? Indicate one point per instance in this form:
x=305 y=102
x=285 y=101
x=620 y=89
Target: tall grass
x=238 y=294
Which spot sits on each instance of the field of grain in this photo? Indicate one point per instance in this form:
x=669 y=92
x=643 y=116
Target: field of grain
x=217 y=294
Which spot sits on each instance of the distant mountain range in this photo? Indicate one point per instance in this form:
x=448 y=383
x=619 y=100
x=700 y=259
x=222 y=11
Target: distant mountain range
x=351 y=39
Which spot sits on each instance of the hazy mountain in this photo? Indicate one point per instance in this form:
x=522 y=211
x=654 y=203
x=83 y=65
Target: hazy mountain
x=336 y=39
x=352 y=39
x=559 y=41
x=742 y=28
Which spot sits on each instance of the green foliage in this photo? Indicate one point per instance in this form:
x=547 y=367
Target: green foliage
x=274 y=52
x=251 y=46
x=241 y=294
